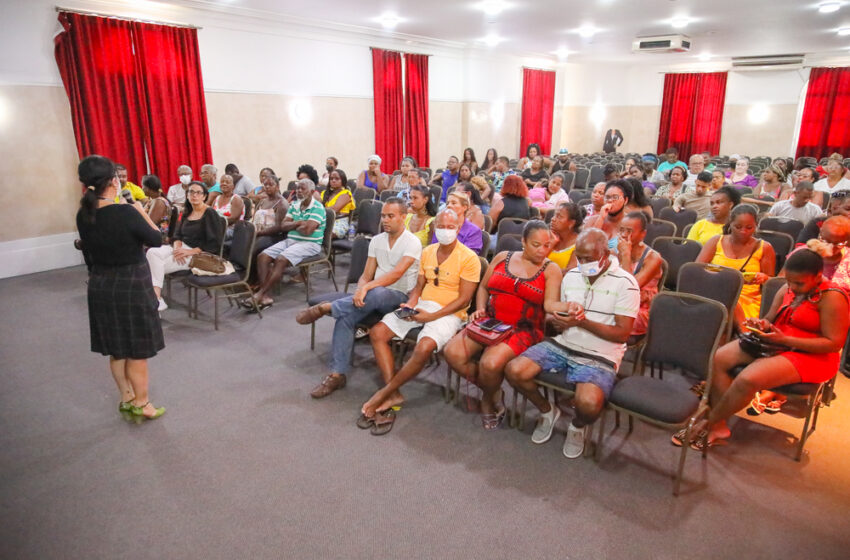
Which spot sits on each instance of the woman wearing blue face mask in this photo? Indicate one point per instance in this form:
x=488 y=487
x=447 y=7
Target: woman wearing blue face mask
x=618 y=195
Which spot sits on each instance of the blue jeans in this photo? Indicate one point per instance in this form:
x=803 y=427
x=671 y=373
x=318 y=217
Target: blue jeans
x=378 y=300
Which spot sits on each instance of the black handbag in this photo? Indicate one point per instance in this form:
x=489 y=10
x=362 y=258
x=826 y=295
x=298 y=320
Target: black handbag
x=754 y=346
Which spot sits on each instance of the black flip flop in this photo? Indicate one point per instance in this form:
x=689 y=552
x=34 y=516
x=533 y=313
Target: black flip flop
x=383 y=422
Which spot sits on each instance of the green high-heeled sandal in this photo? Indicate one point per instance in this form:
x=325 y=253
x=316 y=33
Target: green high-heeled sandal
x=139 y=412
x=125 y=406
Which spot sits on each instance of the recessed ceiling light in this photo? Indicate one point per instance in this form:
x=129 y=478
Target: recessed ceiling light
x=389 y=21
x=705 y=57
x=679 y=22
x=587 y=30
x=562 y=53
x=491 y=40
x=493 y=7
x=844 y=31
x=828 y=7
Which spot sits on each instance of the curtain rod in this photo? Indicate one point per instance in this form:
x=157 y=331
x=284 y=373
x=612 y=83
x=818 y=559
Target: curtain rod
x=113 y=16
x=399 y=52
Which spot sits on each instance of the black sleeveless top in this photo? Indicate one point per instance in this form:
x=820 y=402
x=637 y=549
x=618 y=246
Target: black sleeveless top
x=515 y=207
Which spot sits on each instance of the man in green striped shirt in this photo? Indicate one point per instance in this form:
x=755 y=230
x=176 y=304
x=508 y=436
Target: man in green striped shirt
x=305 y=223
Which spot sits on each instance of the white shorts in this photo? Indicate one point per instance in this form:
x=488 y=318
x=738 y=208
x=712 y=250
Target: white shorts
x=440 y=330
x=294 y=251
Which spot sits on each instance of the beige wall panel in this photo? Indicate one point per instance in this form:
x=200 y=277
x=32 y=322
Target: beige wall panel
x=639 y=125
x=771 y=138
x=445 y=128
x=39 y=156
x=257 y=130
x=490 y=126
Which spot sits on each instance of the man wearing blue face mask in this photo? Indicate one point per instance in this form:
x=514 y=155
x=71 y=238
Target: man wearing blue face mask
x=599 y=303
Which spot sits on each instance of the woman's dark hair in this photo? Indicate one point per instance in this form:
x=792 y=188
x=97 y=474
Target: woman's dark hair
x=804 y=261
x=624 y=187
x=466 y=165
x=310 y=171
x=96 y=174
x=733 y=195
x=336 y=161
x=564 y=186
x=152 y=183
x=343 y=180
x=528 y=149
x=269 y=169
x=474 y=195
x=411 y=159
x=531 y=226
x=737 y=211
x=471 y=154
x=640 y=216
x=681 y=170
x=430 y=205
x=487 y=162
x=187 y=207
x=638 y=196
x=575 y=213
x=609 y=169
x=640 y=168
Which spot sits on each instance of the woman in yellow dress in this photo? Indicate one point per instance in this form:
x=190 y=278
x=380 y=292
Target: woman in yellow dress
x=420 y=220
x=737 y=248
x=338 y=197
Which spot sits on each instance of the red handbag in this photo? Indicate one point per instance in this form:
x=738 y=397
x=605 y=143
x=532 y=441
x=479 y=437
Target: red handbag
x=486 y=337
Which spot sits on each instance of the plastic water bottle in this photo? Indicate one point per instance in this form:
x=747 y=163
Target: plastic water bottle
x=351 y=231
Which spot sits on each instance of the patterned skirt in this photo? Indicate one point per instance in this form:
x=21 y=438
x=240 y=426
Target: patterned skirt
x=123 y=317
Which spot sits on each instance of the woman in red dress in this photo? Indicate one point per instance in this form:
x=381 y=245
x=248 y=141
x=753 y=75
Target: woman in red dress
x=809 y=317
x=512 y=292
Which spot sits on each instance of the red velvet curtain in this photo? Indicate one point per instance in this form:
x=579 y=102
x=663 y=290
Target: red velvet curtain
x=389 y=116
x=416 y=138
x=692 y=112
x=825 y=127
x=538 y=103
x=101 y=77
x=177 y=112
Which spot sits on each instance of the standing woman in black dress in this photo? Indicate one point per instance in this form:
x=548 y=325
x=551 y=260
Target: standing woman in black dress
x=123 y=320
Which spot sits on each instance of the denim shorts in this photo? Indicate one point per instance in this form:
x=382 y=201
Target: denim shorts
x=576 y=369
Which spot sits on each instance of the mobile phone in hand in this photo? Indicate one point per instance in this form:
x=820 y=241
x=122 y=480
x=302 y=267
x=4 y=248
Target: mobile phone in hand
x=755 y=330
x=405 y=312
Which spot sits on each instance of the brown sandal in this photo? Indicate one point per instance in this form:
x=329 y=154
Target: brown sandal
x=383 y=422
x=310 y=315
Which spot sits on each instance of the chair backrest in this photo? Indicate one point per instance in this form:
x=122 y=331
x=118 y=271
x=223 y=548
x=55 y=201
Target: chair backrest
x=658 y=204
x=658 y=228
x=488 y=223
x=172 y=221
x=369 y=217
x=436 y=194
x=569 y=180
x=596 y=174
x=687 y=230
x=242 y=245
x=768 y=292
x=825 y=204
x=363 y=193
x=577 y=195
x=782 y=244
x=485 y=243
x=508 y=242
x=249 y=207
x=681 y=218
x=222 y=230
x=582 y=178
x=684 y=330
x=327 y=239
x=549 y=215
x=511 y=226
x=352 y=184
x=534 y=213
x=387 y=194
x=359 y=256
x=719 y=283
x=676 y=252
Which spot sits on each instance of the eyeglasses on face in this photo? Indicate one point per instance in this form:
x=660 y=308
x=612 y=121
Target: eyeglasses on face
x=196 y=192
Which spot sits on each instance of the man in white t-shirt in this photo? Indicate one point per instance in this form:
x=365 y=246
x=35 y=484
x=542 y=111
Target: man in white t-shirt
x=799 y=206
x=392 y=270
x=599 y=303
x=696 y=165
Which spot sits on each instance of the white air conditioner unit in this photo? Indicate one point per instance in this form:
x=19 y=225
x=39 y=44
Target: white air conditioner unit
x=771 y=62
x=662 y=44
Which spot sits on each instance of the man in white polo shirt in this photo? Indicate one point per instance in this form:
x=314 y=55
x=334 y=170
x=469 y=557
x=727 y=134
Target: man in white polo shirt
x=391 y=271
x=599 y=303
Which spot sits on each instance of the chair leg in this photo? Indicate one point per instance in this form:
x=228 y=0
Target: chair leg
x=447 y=388
x=215 y=308
x=813 y=403
x=597 y=452
x=313 y=336
x=522 y=414
x=678 y=476
x=306 y=275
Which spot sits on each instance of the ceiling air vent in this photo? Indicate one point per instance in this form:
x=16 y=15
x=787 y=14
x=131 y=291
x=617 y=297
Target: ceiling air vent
x=662 y=44
x=771 y=62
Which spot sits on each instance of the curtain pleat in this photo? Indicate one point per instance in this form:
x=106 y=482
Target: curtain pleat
x=825 y=126
x=416 y=135
x=389 y=110
x=692 y=112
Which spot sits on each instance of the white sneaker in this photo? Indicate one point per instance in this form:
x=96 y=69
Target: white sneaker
x=574 y=443
x=162 y=305
x=545 y=425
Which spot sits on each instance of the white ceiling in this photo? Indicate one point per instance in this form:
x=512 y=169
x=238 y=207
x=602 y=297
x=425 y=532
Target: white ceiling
x=723 y=28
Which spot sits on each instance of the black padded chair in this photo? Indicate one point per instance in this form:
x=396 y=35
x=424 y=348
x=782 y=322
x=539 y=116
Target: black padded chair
x=785 y=225
x=596 y=174
x=719 y=283
x=658 y=228
x=582 y=178
x=387 y=195
x=508 y=242
x=684 y=332
x=681 y=218
x=180 y=274
x=768 y=292
x=324 y=257
x=569 y=180
x=676 y=252
x=549 y=215
x=577 y=195
x=782 y=244
x=510 y=226
x=249 y=208
x=485 y=244
x=658 y=204
x=368 y=225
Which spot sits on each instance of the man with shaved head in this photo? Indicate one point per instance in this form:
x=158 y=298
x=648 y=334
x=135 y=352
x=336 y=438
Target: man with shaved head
x=599 y=303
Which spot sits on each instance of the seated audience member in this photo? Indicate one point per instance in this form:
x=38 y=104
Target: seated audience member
x=330 y=164
x=513 y=202
x=741 y=175
x=135 y=190
x=617 y=198
x=155 y=204
x=597 y=199
x=799 y=206
x=469 y=161
x=467 y=233
x=706 y=160
x=305 y=171
x=305 y=226
x=638 y=201
x=718 y=179
x=531 y=152
x=512 y=292
x=609 y=172
x=260 y=191
x=399 y=183
x=599 y=303
x=474 y=214
x=372 y=176
x=676 y=186
x=839 y=205
x=565 y=227
x=627 y=165
x=420 y=220
x=642 y=262
x=535 y=173
x=672 y=155
x=209 y=174
x=652 y=175
x=834 y=181
x=338 y=197
x=448 y=275
x=448 y=177
x=809 y=317
x=562 y=162
x=502 y=171
x=698 y=198
x=637 y=171
x=738 y=249
x=555 y=193
x=489 y=163
x=720 y=204
x=413 y=179
x=391 y=272
x=199 y=230
x=484 y=191
x=804 y=174
x=773 y=184
x=228 y=204
x=537 y=194
x=269 y=215
x=242 y=184
x=831 y=245
x=177 y=193
x=696 y=165
x=464 y=174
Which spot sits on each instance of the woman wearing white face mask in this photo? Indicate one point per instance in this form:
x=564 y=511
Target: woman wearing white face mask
x=177 y=193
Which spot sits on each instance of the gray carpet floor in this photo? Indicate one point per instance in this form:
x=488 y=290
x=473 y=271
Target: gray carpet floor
x=246 y=465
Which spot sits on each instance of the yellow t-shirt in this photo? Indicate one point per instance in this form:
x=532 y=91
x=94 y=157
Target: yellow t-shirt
x=461 y=264
x=562 y=257
x=703 y=230
x=135 y=190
